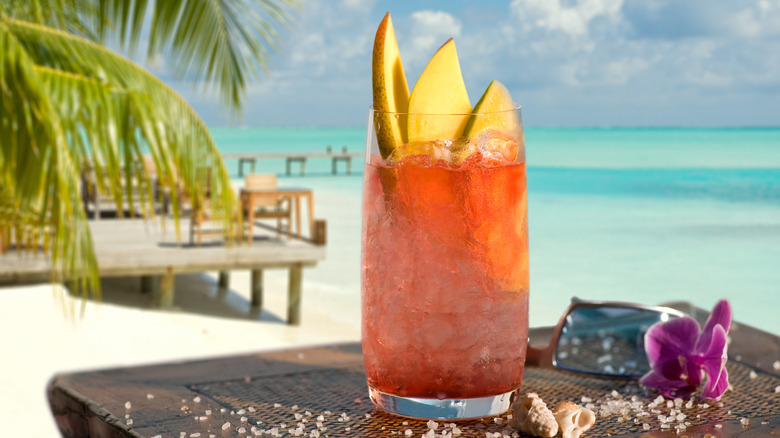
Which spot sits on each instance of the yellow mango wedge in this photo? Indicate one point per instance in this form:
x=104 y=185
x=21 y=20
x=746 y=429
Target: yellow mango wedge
x=440 y=90
x=495 y=110
x=391 y=92
x=496 y=124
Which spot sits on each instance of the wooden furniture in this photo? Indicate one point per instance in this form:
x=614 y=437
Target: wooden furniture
x=290 y=158
x=147 y=248
x=201 y=220
x=325 y=388
x=266 y=207
x=251 y=197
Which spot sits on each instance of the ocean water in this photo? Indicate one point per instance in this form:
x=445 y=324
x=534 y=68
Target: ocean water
x=643 y=215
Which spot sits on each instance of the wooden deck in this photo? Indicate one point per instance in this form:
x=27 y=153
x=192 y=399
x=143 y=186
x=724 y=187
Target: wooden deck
x=299 y=157
x=127 y=247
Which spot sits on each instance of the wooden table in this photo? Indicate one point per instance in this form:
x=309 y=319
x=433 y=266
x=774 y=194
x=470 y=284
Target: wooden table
x=251 y=197
x=324 y=387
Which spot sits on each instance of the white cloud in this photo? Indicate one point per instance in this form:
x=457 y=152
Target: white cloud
x=428 y=31
x=619 y=59
x=555 y=16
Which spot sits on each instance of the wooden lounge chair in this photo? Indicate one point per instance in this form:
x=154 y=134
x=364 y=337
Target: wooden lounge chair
x=271 y=207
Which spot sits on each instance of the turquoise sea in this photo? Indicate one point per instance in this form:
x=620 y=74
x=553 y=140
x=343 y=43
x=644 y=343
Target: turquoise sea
x=635 y=214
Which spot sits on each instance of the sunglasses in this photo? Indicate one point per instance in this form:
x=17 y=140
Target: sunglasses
x=601 y=338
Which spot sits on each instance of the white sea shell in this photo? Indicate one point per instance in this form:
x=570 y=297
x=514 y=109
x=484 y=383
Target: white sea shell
x=531 y=415
x=572 y=419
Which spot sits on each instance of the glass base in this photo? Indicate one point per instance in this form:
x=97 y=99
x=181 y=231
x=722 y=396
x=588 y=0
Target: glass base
x=442 y=409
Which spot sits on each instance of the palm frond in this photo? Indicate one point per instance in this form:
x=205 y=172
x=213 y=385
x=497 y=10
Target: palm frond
x=69 y=103
x=224 y=43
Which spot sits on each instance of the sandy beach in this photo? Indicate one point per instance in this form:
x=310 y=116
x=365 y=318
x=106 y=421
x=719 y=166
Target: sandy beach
x=42 y=333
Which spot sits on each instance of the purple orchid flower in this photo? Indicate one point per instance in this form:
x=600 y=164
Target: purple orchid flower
x=682 y=356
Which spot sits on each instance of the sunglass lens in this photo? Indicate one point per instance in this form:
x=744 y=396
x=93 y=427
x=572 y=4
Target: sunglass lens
x=606 y=341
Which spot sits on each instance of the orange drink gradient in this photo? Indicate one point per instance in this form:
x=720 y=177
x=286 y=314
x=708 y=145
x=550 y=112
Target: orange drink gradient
x=445 y=276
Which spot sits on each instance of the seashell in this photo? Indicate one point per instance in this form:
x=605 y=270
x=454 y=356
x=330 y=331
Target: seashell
x=531 y=415
x=572 y=419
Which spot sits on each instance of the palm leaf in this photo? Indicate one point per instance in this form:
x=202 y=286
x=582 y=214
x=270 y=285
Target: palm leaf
x=224 y=43
x=68 y=102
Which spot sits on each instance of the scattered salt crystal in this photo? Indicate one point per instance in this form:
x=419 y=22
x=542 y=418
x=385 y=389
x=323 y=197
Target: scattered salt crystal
x=320 y=418
x=157 y=436
x=196 y=399
x=432 y=425
x=223 y=410
x=678 y=402
x=277 y=405
x=129 y=421
x=128 y=405
x=680 y=417
x=776 y=365
x=242 y=430
x=646 y=426
x=208 y=412
x=498 y=420
x=718 y=426
x=658 y=400
x=203 y=418
x=127 y=415
x=149 y=396
x=744 y=422
x=408 y=432
x=294 y=407
x=195 y=435
x=251 y=409
x=753 y=374
x=241 y=412
x=226 y=426
x=777 y=388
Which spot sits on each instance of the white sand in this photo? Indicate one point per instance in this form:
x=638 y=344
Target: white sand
x=39 y=339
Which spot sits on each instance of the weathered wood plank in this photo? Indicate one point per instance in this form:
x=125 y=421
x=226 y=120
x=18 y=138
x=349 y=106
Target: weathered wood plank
x=142 y=247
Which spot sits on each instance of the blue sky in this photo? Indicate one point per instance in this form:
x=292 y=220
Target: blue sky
x=567 y=62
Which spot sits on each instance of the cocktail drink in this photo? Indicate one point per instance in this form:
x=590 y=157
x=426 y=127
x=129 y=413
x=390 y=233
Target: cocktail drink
x=445 y=247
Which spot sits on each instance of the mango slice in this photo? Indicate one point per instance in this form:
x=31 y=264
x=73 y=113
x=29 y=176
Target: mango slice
x=391 y=92
x=439 y=90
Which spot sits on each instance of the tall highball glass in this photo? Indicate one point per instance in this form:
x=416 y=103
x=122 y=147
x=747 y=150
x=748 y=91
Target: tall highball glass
x=445 y=268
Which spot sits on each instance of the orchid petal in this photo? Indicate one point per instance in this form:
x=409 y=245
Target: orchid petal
x=694 y=372
x=668 y=387
x=713 y=362
x=682 y=357
x=721 y=315
x=665 y=341
x=715 y=388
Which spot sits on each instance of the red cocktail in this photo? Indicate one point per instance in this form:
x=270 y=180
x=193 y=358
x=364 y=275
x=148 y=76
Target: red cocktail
x=445 y=273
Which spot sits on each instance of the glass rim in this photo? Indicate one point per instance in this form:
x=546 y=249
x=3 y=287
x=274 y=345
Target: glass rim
x=516 y=108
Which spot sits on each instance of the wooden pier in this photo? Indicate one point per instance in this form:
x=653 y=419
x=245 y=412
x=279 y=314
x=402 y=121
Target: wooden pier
x=128 y=247
x=295 y=157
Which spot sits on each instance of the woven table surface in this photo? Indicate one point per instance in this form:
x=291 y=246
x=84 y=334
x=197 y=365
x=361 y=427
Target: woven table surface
x=336 y=399
x=321 y=391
